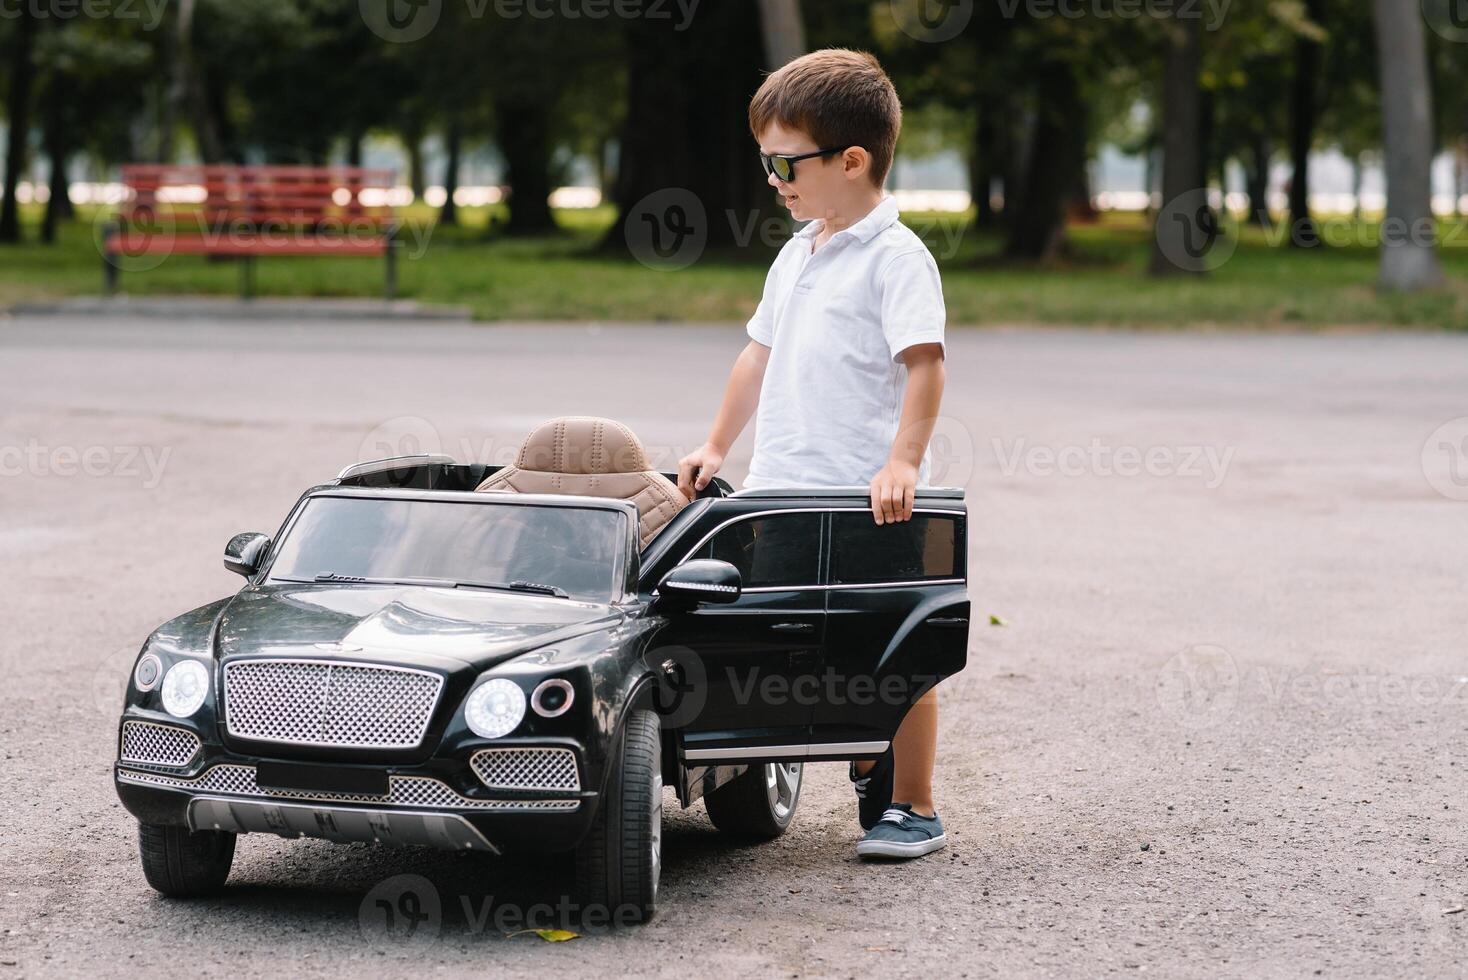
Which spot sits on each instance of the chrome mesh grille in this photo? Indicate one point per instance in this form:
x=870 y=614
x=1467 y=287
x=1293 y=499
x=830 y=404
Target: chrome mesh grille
x=526 y=768
x=405 y=791
x=157 y=745
x=314 y=702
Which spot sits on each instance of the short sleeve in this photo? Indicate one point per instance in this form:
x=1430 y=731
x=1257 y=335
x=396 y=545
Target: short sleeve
x=912 y=302
x=761 y=326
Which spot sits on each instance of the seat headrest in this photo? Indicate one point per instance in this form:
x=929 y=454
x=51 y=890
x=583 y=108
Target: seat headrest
x=582 y=444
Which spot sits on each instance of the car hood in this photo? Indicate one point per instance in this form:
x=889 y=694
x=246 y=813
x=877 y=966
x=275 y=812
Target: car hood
x=410 y=625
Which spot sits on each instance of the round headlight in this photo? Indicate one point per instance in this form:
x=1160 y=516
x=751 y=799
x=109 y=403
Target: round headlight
x=184 y=688
x=147 y=672
x=495 y=708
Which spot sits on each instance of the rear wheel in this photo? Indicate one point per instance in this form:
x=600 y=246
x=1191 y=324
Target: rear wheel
x=183 y=863
x=619 y=862
x=760 y=803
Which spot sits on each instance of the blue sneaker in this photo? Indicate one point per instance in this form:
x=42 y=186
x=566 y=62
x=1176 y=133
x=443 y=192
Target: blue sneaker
x=873 y=791
x=902 y=834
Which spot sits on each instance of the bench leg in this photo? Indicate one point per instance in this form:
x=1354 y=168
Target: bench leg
x=392 y=269
x=109 y=275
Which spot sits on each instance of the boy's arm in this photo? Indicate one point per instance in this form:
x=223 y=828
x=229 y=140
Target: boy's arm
x=741 y=396
x=895 y=485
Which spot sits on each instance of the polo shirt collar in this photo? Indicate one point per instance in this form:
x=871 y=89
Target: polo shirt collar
x=876 y=221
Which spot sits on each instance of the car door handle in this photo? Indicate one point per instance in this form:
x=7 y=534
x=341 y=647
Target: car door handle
x=793 y=627
x=947 y=622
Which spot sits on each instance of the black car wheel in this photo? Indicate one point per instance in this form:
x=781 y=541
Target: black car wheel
x=758 y=804
x=618 y=864
x=183 y=863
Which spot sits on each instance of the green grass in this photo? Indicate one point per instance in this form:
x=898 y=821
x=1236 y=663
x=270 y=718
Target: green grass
x=1104 y=281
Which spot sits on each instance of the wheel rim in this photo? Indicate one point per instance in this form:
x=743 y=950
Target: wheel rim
x=656 y=835
x=782 y=784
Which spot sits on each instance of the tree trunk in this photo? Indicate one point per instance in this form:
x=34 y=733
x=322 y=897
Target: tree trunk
x=783 y=31
x=354 y=148
x=18 y=117
x=986 y=160
x=1037 y=227
x=58 y=204
x=1303 y=111
x=523 y=129
x=1182 y=198
x=413 y=142
x=453 y=138
x=686 y=135
x=1256 y=180
x=1408 y=251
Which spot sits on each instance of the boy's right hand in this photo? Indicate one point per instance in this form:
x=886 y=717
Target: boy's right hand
x=697 y=468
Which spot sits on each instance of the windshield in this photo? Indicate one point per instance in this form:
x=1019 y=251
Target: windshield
x=574 y=551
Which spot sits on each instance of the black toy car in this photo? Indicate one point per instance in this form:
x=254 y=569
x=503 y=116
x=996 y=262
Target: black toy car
x=415 y=662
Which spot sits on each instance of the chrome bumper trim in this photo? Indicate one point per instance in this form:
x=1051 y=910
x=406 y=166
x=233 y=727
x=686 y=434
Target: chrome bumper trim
x=409 y=828
x=842 y=749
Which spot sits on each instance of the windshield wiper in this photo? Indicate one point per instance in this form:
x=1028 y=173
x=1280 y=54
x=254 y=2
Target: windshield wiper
x=519 y=585
x=374 y=580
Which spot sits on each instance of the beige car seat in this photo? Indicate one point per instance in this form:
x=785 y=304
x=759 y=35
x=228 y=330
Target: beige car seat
x=594 y=457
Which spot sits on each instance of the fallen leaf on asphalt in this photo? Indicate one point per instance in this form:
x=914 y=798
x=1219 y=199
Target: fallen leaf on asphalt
x=997 y=620
x=549 y=935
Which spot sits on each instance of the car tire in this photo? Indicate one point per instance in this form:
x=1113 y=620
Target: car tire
x=620 y=860
x=759 y=804
x=183 y=864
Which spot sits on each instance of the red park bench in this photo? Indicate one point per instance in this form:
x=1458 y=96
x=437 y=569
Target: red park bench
x=243 y=212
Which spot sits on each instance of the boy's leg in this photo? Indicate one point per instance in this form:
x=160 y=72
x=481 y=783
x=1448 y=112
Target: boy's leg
x=914 y=750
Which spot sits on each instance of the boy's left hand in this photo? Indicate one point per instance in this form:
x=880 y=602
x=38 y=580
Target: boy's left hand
x=893 y=489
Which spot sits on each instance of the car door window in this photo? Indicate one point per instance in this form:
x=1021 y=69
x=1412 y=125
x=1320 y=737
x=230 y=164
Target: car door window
x=929 y=546
x=771 y=551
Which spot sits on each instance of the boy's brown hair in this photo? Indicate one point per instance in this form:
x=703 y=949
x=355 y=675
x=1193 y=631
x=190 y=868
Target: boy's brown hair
x=841 y=98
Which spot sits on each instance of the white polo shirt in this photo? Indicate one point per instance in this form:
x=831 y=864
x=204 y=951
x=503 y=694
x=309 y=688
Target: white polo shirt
x=835 y=323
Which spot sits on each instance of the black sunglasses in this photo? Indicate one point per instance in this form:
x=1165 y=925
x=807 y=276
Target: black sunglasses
x=783 y=165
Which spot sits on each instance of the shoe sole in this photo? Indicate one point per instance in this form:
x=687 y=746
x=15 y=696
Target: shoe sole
x=895 y=849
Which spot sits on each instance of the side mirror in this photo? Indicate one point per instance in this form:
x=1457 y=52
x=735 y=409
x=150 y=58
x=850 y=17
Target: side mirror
x=244 y=552
x=700 y=580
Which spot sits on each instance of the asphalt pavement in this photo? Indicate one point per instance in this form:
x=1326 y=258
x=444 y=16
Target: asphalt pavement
x=1214 y=728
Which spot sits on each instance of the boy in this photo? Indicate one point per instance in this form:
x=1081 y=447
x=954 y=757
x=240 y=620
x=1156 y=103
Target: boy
x=845 y=360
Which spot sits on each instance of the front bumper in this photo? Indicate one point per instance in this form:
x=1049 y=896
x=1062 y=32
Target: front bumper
x=423 y=807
